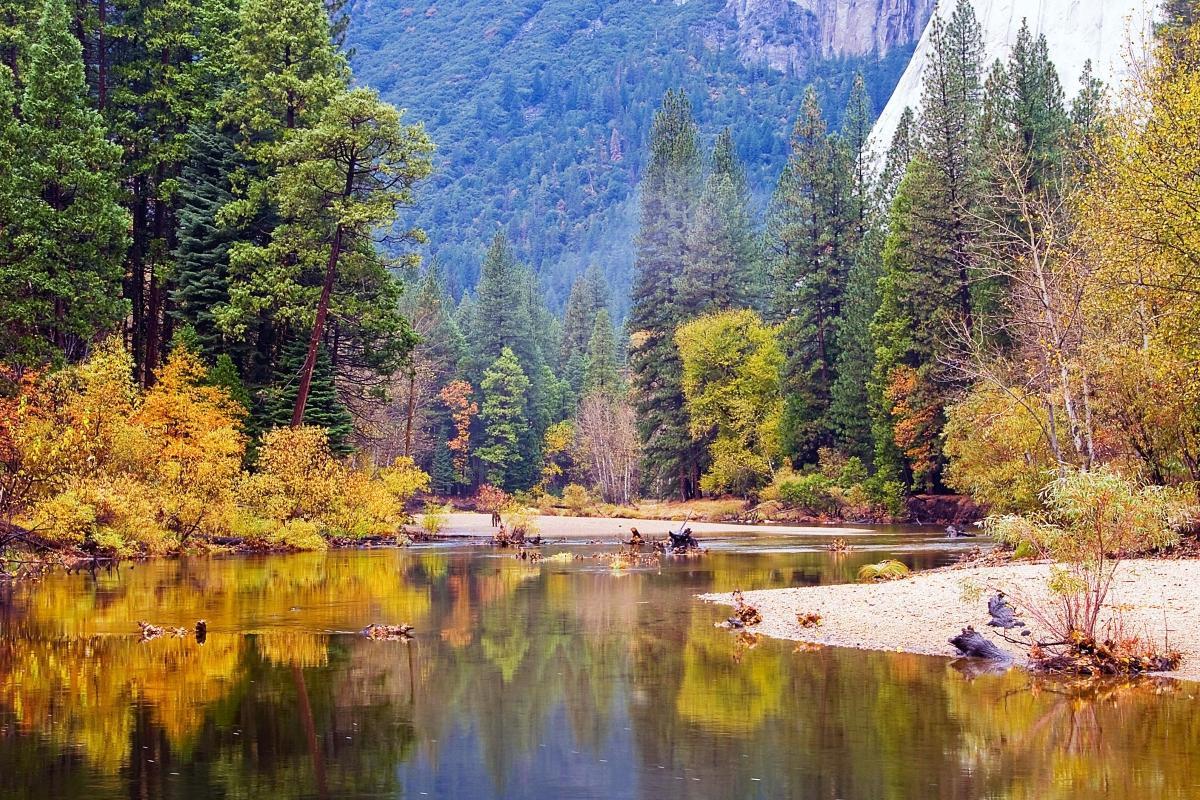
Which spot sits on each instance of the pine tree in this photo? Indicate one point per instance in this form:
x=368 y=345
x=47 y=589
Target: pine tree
x=849 y=408
x=901 y=151
x=602 y=373
x=201 y=270
x=18 y=26
x=500 y=316
x=324 y=408
x=951 y=106
x=807 y=234
x=442 y=478
x=669 y=192
x=68 y=231
x=1088 y=111
x=503 y=416
x=589 y=294
x=719 y=272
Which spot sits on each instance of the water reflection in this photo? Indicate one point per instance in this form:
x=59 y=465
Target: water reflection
x=565 y=680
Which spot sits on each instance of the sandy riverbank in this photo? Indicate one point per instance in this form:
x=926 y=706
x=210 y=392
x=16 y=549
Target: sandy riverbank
x=920 y=614
x=607 y=529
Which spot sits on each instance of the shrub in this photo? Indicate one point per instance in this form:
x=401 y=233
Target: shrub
x=434 y=518
x=1091 y=520
x=883 y=571
x=809 y=492
x=888 y=495
x=576 y=498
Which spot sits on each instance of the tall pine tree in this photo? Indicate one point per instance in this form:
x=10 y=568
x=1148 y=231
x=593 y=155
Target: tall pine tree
x=809 y=239
x=669 y=192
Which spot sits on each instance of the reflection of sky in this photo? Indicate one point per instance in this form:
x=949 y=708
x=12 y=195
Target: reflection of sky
x=559 y=767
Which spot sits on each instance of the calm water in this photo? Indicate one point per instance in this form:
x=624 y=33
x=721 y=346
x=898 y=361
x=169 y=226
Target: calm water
x=552 y=681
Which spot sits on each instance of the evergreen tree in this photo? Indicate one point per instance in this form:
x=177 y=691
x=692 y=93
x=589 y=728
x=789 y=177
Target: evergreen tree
x=324 y=408
x=589 y=294
x=1088 y=111
x=62 y=286
x=603 y=373
x=201 y=271
x=442 y=478
x=668 y=197
x=503 y=416
x=807 y=237
x=719 y=272
x=951 y=106
x=1024 y=112
x=18 y=26
x=901 y=151
x=500 y=314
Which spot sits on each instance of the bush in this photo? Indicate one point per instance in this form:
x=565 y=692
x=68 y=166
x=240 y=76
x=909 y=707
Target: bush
x=576 y=498
x=809 y=492
x=883 y=571
x=434 y=518
x=888 y=495
x=1091 y=520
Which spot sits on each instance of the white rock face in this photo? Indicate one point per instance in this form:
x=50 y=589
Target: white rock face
x=1109 y=32
x=787 y=33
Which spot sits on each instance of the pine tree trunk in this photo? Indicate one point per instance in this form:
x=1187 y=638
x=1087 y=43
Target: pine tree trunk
x=410 y=411
x=314 y=341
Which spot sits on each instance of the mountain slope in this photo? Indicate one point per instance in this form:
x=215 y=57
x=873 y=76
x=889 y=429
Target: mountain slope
x=541 y=108
x=1108 y=32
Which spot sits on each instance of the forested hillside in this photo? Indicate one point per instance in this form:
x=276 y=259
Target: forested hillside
x=542 y=112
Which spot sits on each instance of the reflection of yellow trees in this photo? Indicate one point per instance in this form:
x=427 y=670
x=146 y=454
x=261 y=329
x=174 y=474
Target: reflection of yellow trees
x=719 y=693
x=82 y=692
x=1061 y=740
x=285 y=648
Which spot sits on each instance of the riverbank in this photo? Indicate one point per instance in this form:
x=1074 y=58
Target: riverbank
x=921 y=613
x=612 y=529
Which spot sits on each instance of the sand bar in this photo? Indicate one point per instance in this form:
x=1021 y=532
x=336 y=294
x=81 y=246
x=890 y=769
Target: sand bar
x=919 y=614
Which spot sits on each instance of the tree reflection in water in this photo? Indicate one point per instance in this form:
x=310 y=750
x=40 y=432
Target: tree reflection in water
x=551 y=681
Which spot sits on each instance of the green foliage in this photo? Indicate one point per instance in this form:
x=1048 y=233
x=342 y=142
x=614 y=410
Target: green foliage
x=576 y=498
x=324 y=408
x=1092 y=515
x=61 y=288
x=809 y=492
x=601 y=370
x=668 y=197
x=731 y=365
x=505 y=388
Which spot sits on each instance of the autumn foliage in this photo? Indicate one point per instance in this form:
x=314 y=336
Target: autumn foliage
x=89 y=461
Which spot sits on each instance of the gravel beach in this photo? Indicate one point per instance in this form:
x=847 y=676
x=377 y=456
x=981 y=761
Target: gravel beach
x=921 y=613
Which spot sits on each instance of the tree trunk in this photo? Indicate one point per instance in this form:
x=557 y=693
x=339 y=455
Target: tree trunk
x=410 y=411
x=314 y=341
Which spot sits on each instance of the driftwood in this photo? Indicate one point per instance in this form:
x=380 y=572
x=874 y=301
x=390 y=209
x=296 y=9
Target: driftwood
x=971 y=644
x=1003 y=615
x=388 y=633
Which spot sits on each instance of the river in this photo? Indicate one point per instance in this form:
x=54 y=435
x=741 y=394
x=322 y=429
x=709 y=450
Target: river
x=558 y=680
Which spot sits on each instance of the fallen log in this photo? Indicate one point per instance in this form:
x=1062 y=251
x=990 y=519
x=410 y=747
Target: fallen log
x=971 y=644
x=1003 y=615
